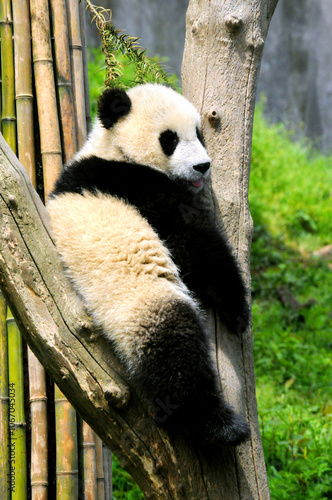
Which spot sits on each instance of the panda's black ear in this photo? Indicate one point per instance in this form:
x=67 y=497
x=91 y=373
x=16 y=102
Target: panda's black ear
x=112 y=105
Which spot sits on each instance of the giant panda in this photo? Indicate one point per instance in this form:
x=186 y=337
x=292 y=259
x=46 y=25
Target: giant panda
x=144 y=267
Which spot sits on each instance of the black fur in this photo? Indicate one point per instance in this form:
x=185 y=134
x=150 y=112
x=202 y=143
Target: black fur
x=202 y=254
x=175 y=371
x=112 y=105
x=200 y=136
x=168 y=141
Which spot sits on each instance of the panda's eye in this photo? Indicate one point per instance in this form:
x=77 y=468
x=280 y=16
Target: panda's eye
x=168 y=141
x=200 y=136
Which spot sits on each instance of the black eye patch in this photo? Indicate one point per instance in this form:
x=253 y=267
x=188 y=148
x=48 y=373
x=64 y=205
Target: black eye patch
x=200 y=136
x=168 y=141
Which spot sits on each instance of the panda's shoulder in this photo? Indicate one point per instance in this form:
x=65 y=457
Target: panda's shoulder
x=136 y=183
x=80 y=174
x=93 y=174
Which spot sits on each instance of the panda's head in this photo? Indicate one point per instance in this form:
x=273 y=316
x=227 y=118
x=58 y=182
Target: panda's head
x=151 y=125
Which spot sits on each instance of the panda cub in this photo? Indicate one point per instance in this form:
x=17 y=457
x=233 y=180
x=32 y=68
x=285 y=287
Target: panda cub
x=141 y=251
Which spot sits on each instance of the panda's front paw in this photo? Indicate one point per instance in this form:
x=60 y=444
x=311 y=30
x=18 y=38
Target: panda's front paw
x=233 y=310
x=235 y=432
x=236 y=316
x=232 y=430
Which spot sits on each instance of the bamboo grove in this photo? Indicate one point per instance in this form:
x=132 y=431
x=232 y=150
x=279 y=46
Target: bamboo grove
x=46 y=450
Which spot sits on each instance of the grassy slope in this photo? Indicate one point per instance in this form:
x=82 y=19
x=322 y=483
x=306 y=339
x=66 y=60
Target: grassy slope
x=290 y=200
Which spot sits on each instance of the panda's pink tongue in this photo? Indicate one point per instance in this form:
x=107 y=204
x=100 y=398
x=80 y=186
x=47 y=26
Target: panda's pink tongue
x=198 y=183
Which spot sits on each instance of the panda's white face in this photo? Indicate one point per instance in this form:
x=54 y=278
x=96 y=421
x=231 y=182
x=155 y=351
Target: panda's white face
x=159 y=128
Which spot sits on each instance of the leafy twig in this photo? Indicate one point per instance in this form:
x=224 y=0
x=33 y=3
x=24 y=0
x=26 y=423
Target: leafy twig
x=114 y=41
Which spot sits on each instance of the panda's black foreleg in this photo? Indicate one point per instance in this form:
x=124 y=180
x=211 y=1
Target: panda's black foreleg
x=211 y=271
x=176 y=374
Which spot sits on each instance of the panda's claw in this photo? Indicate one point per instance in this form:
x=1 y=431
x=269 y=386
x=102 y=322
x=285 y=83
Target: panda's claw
x=233 y=433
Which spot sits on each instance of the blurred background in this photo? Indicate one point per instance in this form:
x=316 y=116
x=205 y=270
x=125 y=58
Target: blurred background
x=296 y=69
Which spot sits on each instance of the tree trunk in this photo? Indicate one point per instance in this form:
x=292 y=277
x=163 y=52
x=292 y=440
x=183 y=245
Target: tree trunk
x=223 y=52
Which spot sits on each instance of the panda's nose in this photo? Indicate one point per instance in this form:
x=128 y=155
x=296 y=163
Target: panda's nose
x=202 y=167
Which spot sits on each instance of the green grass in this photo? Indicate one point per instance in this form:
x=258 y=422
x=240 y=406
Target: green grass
x=124 y=487
x=290 y=201
x=291 y=187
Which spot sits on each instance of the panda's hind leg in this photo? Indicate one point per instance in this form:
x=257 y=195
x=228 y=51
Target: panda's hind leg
x=175 y=372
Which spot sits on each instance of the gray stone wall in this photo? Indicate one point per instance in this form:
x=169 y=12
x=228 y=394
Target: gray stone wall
x=159 y=24
x=296 y=71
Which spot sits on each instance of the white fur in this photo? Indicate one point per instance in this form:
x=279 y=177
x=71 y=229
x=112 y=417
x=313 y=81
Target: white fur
x=135 y=137
x=117 y=264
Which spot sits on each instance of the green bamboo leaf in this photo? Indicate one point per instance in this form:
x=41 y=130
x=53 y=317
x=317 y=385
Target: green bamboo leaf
x=114 y=41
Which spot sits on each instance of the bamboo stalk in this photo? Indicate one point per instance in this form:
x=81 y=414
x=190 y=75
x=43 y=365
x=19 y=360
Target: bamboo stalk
x=107 y=461
x=16 y=411
x=106 y=472
x=89 y=462
x=80 y=457
x=23 y=87
x=4 y=401
x=82 y=7
x=72 y=114
x=76 y=16
x=25 y=138
x=8 y=117
x=17 y=434
x=64 y=78
x=39 y=452
x=110 y=474
x=77 y=70
x=66 y=448
x=100 y=469
x=45 y=90
x=0 y=86
x=5 y=478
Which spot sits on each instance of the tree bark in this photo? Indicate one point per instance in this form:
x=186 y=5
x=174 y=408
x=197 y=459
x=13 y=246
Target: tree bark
x=60 y=332
x=223 y=50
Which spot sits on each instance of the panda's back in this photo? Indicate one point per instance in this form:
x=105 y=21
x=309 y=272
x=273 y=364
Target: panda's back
x=108 y=234
x=112 y=254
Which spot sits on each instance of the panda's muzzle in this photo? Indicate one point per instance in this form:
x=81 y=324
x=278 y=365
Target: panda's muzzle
x=202 y=167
